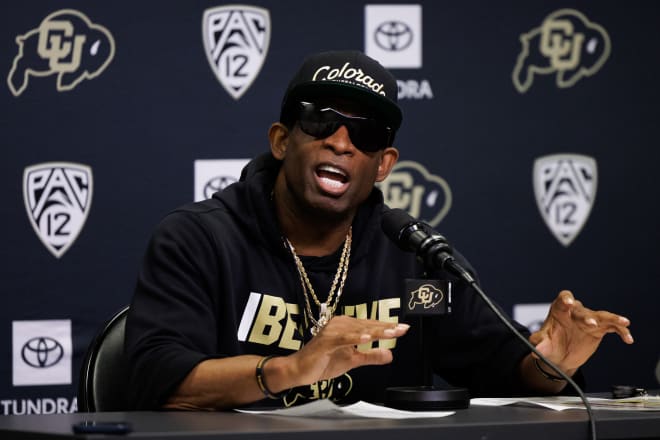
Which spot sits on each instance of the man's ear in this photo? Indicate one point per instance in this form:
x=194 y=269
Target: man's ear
x=278 y=135
x=389 y=157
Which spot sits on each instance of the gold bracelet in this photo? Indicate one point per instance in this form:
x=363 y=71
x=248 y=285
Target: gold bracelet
x=262 y=383
x=547 y=375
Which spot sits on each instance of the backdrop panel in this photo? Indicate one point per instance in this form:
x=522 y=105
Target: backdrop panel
x=529 y=139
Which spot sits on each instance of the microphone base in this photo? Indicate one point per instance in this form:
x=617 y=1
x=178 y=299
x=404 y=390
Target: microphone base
x=427 y=398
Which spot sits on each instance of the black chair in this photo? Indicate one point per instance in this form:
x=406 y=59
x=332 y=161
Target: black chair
x=103 y=377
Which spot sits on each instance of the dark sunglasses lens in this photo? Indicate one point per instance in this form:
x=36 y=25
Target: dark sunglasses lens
x=366 y=134
x=318 y=128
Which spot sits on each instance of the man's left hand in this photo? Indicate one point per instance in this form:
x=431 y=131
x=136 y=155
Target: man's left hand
x=571 y=332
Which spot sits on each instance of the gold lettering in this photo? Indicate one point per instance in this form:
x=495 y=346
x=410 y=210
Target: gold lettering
x=287 y=341
x=425 y=295
x=267 y=327
x=51 y=47
x=400 y=192
x=559 y=40
x=381 y=310
x=321 y=389
x=385 y=308
x=361 y=312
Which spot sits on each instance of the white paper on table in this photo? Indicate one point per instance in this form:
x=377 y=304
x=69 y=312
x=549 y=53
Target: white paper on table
x=561 y=403
x=327 y=409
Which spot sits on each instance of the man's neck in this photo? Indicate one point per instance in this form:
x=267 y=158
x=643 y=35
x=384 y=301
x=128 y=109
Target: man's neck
x=311 y=234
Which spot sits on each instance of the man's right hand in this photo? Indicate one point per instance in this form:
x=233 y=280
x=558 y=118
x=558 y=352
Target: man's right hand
x=230 y=382
x=333 y=352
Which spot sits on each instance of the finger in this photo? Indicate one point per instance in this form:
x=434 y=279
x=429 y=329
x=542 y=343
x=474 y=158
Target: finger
x=593 y=319
x=392 y=331
x=563 y=305
x=379 y=329
x=349 y=323
x=396 y=331
x=374 y=356
x=361 y=334
x=612 y=323
x=624 y=333
x=538 y=336
x=602 y=322
x=543 y=347
x=566 y=300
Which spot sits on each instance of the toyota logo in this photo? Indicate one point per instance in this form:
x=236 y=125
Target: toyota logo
x=216 y=184
x=42 y=352
x=393 y=36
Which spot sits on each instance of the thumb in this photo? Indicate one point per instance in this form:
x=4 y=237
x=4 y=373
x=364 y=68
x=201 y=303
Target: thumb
x=544 y=347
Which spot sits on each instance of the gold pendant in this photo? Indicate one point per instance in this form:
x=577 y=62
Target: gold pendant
x=324 y=317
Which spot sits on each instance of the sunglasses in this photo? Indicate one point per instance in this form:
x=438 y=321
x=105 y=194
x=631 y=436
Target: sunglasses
x=366 y=134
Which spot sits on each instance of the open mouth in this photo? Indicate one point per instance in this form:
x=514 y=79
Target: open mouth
x=332 y=179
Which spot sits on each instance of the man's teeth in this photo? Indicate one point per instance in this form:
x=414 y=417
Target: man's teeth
x=332 y=182
x=331 y=169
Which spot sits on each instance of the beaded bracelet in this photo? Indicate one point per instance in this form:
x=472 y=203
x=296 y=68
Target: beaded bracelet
x=547 y=375
x=262 y=383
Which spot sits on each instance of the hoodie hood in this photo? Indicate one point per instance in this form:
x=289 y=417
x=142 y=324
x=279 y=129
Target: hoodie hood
x=250 y=203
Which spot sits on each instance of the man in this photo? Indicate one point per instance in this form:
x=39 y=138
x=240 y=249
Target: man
x=283 y=285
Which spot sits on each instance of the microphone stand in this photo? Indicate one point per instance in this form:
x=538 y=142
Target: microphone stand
x=427 y=397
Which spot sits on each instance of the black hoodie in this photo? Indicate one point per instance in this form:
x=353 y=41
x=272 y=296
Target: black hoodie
x=218 y=280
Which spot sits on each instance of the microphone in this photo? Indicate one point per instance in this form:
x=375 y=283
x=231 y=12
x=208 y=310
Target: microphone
x=434 y=251
x=414 y=236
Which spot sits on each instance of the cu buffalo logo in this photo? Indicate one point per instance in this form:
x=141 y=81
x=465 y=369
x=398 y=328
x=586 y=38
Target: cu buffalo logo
x=412 y=188
x=42 y=352
x=66 y=44
x=566 y=45
x=427 y=296
x=332 y=389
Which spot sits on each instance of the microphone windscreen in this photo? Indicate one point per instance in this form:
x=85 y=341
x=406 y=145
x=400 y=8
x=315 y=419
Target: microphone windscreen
x=394 y=221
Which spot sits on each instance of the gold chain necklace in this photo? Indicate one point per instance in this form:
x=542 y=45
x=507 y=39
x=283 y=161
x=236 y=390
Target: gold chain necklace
x=327 y=308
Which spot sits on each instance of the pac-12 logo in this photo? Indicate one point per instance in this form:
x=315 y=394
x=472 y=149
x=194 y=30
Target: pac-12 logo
x=57 y=198
x=411 y=187
x=565 y=189
x=236 y=40
x=566 y=44
x=67 y=44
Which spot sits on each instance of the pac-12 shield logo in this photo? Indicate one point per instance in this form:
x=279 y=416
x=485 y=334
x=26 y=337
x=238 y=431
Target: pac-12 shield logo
x=57 y=198
x=565 y=189
x=567 y=45
x=236 y=40
x=67 y=44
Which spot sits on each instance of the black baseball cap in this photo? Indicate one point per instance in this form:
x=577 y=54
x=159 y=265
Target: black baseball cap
x=347 y=74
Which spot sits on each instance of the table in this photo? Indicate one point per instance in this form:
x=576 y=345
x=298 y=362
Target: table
x=476 y=422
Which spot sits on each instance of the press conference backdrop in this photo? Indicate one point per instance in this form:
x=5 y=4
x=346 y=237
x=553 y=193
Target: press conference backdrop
x=529 y=139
